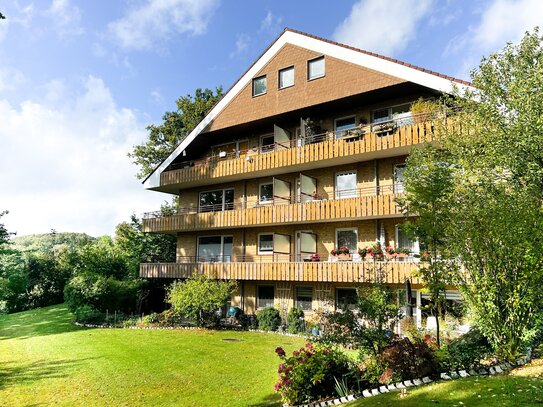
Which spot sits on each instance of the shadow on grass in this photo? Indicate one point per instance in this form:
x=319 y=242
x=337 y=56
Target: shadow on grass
x=267 y=401
x=38 y=322
x=15 y=372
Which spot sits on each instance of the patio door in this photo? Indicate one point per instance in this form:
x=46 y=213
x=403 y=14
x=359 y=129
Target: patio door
x=307 y=188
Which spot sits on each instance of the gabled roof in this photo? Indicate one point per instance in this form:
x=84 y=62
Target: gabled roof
x=370 y=60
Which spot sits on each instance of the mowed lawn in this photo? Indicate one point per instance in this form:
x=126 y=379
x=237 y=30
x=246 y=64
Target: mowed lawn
x=521 y=387
x=45 y=359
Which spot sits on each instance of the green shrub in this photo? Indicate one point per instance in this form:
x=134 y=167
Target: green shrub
x=269 y=319
x=466 y=351
x=199 y=298
x=151 y=319
x=295 y=321
x=86 y=314
x=310 y=374
x=248 y=321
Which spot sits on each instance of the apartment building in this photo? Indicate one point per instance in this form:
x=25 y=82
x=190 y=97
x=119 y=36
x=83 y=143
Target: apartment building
x=294 y=172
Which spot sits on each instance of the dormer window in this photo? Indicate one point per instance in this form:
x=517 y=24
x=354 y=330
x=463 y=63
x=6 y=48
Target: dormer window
x=315 y=68
x=286 y=77
x=259 y=85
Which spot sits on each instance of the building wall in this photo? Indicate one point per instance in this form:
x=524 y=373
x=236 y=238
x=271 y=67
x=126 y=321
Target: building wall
x=342 y=79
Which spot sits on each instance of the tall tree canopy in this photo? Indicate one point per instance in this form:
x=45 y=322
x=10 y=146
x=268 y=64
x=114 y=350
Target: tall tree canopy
x=480 y=198
x=163 y=138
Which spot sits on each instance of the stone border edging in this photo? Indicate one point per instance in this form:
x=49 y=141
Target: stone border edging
x=493 y=370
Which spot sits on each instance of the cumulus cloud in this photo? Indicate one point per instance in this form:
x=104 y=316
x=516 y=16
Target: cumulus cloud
x=501 y=21
x=66 y=168
x=154 y=21
x=382 y=26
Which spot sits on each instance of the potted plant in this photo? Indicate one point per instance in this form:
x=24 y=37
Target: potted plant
x=315 y=257
x=334 y=252
x=363 y=253
x=377 y=251
x=344 y=252
x=402 y=253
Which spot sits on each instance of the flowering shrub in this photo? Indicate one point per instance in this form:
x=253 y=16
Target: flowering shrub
x=405 y=360
x=310 y=373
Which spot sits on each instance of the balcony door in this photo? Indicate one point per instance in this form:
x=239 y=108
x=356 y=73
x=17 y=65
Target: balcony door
x=346 y=184
x=307 y=188
x=215 y=249
x=399 y=178
x=306 y=245
x=216 y=201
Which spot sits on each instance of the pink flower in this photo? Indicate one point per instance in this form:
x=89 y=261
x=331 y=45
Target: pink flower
x=277 y=386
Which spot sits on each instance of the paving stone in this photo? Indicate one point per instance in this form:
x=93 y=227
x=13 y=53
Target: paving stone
x=375 y=392
x=445 y=376
x=454 y=375
x=408 y=383
x=367 y=393
x=400 y=385
x=391 y=386
x=426 y=380
x=383 y=389
x=350 y=397
x=463 y=373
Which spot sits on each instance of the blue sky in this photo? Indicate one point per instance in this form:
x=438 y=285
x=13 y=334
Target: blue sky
x=80 y=80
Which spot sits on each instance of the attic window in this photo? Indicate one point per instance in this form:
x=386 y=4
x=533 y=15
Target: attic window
x=315 y=68
x=286 y=77
x=259 y=85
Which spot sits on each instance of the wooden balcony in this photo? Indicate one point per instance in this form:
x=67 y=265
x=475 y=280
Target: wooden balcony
x=321 y=151
x=357 y=208
x=390 y=272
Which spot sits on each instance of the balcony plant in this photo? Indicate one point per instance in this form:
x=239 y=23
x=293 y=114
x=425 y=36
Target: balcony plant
x=315 y=257
x=424 y=110
x=363 y=253
x=376 y=251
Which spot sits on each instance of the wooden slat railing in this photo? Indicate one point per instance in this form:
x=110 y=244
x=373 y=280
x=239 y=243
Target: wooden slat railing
x=363 y=207
x=391 y=272
x=330 y=148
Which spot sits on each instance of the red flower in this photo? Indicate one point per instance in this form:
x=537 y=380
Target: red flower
x=280 y=351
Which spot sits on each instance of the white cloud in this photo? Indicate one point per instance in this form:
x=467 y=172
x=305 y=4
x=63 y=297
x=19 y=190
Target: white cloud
x=10 y=79
x=501 y=21
x=242 y=44
x=66 y=168
x=271 y=23
x=382 y=26
x=65 y=17
x=154 y=21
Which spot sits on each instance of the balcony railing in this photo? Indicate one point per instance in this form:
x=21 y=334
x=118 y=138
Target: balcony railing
x=283 y=269
x=345 y=205
x=314 y=147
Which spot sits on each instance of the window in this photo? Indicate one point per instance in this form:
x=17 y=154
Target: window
x=347 y=238
x=343 y=124
x=398 y=178
x=380 y=115
x=346 y=185
x=214 y=248
x=266 y=193
x=304 y=298
x=216 y=201
x=405 y=242
x=267 y=143
x=286 y=77
x=265 y=243
x=400 y=113
x=259 y=85
x=265 y=295
x=346 y=298
x=315 y=68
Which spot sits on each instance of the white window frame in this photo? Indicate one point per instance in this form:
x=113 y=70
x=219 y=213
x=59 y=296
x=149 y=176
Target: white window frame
x=221 y=255
x=253 y=85
x=389 y=108
x=267 y=148
x=266 y=252
x=337 y=191
x=260 y=201
x=279 y=77
x=416 y=244
x=223 y=196
x=351 y=249
x=313 y=60
x=395 y=184
x=343 y=118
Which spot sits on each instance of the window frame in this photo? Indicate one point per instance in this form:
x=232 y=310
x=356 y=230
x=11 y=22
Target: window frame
x=266 y=252
x=223 y=206
x=349 y=306
x=258 y=295
x=296 y=301
x=221 y=255
x=344 y=118
x=351 y=249
x=279 y=77
x=309 y=78
x=397 y=185
x=260 y=201
x=338 y=196
x=415 y=245
x=265 y=77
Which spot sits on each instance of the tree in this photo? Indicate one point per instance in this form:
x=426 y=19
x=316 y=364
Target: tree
x=491 y=225
x=199 y=297
x=165 y=137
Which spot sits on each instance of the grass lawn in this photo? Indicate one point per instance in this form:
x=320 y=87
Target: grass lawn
x=45 y=359
x=521 y=387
